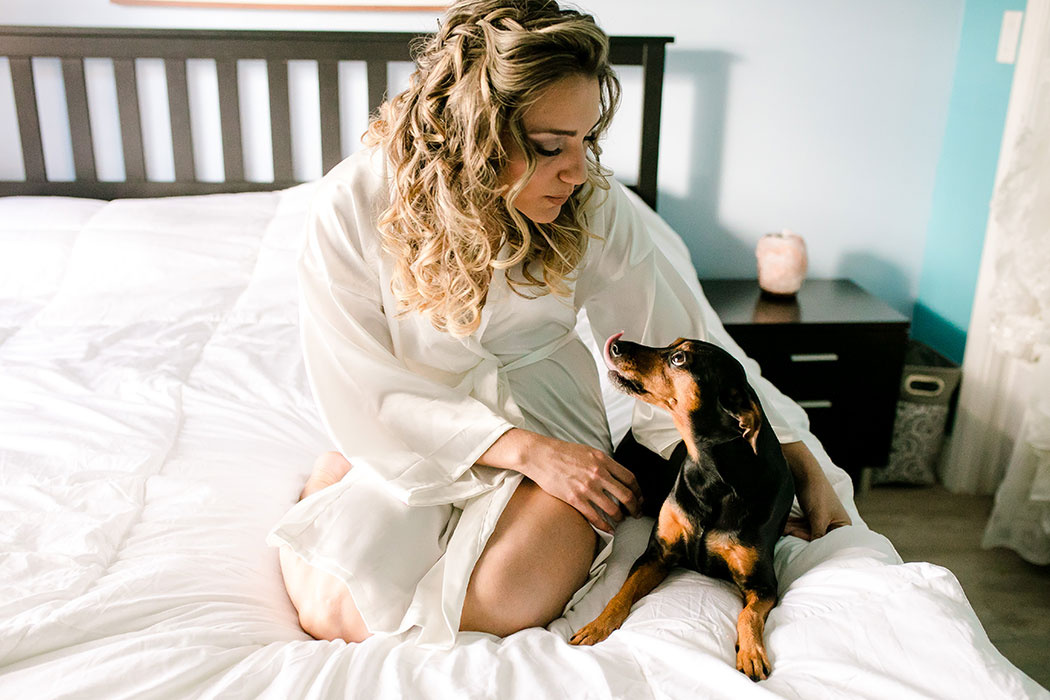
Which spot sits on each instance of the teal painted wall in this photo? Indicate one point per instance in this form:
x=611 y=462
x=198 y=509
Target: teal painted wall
x=965 y=181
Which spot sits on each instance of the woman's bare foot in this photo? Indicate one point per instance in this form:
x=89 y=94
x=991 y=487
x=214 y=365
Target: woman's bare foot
x=329 y=468
x=323 y=602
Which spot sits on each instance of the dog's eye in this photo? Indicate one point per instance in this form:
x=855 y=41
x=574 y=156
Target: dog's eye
x=678 y=359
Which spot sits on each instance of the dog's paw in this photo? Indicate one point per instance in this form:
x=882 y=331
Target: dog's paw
x=594 y=631
x=751 y=660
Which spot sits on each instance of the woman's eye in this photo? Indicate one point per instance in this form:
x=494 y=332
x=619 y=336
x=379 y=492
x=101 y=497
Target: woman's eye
x=551 y=152
x=545 y=152
x=678 y=359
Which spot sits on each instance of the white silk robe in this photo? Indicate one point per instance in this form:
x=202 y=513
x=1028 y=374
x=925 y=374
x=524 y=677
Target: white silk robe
x=412 y=408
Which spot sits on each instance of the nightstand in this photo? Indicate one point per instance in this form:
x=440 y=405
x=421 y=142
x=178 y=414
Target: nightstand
x=834 y=348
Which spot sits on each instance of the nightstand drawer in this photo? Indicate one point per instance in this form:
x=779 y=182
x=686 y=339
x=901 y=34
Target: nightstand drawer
x=830 y=424
x=807 y=365
x=845 y=376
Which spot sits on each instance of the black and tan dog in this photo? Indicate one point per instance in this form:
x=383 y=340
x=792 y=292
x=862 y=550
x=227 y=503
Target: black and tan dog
x=730 y=498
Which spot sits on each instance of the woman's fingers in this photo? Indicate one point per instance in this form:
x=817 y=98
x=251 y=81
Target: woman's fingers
x=599 y=507
x=798 y=527
x=608 y=493
x=626 y=487
x=618 y=494
x=610 y=505
x=586 y=478
x=598 y=518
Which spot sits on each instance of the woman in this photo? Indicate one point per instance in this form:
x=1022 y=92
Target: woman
x=443 y=273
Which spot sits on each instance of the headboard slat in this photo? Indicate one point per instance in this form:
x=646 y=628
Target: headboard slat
x=230 y=118
x=653 y=76
x=377 y=84
x=130 y=122
x=331 y=134
x=77 y=108
x=179 y=109
x=29 y=120
x=280 y=120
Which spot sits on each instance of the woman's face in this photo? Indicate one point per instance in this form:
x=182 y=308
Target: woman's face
x=558 y=125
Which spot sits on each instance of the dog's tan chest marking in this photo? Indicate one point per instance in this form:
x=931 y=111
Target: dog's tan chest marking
x=740 y=558
x=686 y=403
x=672 y=526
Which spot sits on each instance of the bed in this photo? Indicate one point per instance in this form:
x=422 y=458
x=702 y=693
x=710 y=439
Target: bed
x=156 y=421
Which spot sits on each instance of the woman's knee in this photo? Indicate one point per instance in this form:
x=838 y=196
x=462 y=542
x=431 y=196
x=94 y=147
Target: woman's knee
x=538 y=556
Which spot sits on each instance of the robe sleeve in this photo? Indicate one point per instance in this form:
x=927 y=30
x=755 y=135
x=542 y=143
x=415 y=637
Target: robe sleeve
x=420 y=436
x=639 y=279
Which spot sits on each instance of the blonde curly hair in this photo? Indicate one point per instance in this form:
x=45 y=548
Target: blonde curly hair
x=446 y=139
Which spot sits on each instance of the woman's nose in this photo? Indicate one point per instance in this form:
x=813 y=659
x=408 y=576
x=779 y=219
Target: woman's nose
x=575 y=170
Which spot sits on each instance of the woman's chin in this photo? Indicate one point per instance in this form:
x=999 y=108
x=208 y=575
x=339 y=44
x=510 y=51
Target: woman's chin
x=542 y=214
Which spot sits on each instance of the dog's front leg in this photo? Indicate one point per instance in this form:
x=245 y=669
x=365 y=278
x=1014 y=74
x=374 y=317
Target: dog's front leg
x=646 y=574
x=659 y=557
x=753 y=573
x=751 y=658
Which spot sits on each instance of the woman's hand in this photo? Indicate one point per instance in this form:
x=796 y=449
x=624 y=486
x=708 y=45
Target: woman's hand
x=584 y=477
x=821 y=506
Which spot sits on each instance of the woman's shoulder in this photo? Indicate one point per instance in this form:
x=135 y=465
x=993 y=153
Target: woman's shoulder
x=612 y=215
x=608 y=206
x=357 y=189
x=364 y=171
x=347 y=205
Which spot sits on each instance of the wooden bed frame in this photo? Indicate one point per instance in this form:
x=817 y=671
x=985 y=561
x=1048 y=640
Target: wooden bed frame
x=376 y=49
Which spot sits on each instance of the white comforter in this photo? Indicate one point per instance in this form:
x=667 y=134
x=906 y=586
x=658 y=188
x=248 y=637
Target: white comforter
x=155 y=421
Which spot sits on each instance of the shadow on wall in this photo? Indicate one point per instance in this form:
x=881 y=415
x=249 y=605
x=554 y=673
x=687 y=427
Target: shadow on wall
x=693 y=128
x=690 y=205
x=877 y=275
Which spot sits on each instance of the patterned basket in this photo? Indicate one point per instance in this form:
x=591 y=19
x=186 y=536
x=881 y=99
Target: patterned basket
x=927 y=386
x=918 y=434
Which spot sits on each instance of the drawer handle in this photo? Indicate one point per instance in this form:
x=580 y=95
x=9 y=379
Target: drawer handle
x=816 y=357
x=814 y=404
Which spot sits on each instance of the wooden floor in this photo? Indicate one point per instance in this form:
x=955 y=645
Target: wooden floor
x=1010 y=596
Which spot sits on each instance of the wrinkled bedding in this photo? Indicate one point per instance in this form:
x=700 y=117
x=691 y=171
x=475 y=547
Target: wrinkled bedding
x=155 y=422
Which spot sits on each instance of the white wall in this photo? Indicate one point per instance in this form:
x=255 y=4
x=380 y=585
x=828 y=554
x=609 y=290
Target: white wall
x=824 y=116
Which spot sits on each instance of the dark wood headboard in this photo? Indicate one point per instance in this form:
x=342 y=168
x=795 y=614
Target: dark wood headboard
x=376 y=49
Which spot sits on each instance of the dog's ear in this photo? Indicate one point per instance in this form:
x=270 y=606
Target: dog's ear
x=741 y=405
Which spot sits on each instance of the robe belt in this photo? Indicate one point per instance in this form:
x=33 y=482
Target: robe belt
x=487 y=382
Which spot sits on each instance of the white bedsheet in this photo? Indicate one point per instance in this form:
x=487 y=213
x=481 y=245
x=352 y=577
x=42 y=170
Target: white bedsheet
x=155 y=421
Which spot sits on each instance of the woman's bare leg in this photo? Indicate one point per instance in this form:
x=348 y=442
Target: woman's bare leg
x=326 y=610
x=538 y=556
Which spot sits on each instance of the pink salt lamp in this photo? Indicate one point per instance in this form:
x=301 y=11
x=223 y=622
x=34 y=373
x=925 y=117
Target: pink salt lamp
x=782 y=262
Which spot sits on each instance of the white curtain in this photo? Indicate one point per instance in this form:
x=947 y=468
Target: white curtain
x=1001 y=441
